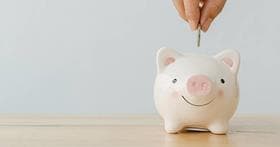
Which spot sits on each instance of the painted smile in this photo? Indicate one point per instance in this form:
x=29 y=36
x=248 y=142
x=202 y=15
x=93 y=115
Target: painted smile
x=198 y=105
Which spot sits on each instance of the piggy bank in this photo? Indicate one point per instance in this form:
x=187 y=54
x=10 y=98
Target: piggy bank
x=196 y=91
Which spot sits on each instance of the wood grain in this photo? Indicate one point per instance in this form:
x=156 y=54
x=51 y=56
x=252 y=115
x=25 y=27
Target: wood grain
x=130 y=131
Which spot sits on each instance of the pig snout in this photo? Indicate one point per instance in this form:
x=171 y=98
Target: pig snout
x=199 y=85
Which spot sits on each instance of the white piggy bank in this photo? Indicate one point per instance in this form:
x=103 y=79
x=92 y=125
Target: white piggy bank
x=196 y=91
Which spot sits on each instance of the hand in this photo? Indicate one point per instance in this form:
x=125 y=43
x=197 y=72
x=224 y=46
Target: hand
x=197 y=12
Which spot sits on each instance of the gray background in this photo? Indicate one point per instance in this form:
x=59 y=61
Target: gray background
x=98 y=57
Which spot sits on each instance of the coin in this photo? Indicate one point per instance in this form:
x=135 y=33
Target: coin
x=198 y=36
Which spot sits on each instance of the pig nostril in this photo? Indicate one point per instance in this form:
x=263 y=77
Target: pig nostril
x=193 y=84
x=203 y=86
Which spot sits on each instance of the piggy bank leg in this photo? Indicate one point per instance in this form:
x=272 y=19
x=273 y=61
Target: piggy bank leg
x=172 y=127
x=218 y=127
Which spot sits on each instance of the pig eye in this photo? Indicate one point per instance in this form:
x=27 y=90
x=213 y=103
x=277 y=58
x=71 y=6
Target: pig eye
x=174 y=81
x=222 y=81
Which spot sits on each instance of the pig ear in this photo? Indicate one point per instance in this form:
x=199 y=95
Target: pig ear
x=165 y=57
x=230 y=58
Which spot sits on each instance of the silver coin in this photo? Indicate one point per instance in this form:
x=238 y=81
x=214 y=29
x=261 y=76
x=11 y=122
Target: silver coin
x=198 y=36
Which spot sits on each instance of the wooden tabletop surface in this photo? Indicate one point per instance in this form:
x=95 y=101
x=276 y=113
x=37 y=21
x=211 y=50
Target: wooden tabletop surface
x=131 y=131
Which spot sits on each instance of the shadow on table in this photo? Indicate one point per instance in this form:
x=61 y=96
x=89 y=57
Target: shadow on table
x=196 y=138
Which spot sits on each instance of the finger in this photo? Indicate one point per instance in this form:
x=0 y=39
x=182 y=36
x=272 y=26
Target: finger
x=192 y=12
x=179 y=5
x=210 y=10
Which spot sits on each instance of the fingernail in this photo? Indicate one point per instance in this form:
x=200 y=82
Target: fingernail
x=206 y=24
x=193 y=25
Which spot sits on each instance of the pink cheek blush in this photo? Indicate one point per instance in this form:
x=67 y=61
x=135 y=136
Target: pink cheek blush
x=220 y=93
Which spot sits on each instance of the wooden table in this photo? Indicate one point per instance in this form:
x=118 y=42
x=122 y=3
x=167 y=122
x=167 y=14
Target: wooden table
x=130 y=131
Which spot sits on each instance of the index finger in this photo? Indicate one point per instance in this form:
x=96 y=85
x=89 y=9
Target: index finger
x=192 y=12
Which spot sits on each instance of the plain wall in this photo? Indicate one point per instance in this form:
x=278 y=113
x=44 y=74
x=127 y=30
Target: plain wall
x=98 y=57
